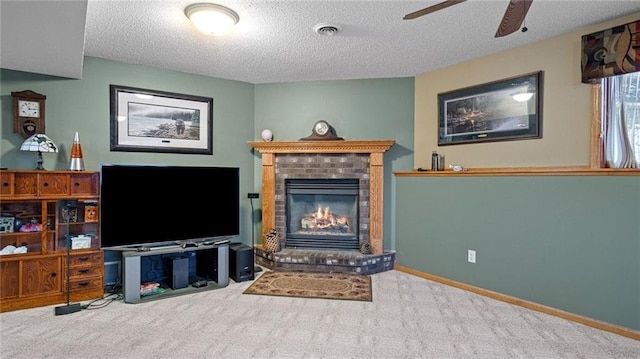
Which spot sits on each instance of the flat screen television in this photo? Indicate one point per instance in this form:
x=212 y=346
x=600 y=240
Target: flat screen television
x=150 y=205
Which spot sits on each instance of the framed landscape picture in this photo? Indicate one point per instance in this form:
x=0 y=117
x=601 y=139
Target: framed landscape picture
x=509 y=109
x=156 y=121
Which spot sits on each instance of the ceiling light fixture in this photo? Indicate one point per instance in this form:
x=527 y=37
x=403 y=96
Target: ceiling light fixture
x=212 y=19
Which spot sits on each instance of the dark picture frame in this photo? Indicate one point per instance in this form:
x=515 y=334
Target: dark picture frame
x=157 y=121
x=490 y=112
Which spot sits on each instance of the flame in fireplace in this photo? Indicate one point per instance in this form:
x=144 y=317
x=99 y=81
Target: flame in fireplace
x=323 y=218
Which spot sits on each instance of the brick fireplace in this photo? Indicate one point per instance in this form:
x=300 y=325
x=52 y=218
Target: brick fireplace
x=359 y=161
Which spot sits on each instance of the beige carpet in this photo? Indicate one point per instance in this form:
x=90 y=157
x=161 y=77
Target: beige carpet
x=313 y=285
x=408 y=318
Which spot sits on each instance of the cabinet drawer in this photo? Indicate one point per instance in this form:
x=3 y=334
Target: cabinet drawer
x=86 y=259
x=85 y=184
x=7 y=183
x=88 y=283
x=82 y=272
x=25 y=184
x=53 y=184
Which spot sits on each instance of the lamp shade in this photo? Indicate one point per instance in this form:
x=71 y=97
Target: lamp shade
x=39 y=143
x=211 y=19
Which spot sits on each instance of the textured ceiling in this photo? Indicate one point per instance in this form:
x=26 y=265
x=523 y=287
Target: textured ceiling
x=275 y=41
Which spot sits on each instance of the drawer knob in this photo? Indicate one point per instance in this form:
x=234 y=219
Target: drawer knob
x=83 y=271
x=46 y=184
x=5 y=184
x=83 y=259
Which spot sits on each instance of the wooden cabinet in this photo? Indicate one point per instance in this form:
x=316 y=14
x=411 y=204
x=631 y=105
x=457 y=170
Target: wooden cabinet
x=40 y=213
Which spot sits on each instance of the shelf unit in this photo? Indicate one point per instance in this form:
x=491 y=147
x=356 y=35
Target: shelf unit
x=40 y=211
x=215 y=268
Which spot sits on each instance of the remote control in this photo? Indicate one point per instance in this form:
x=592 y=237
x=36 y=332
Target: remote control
x=199 y=283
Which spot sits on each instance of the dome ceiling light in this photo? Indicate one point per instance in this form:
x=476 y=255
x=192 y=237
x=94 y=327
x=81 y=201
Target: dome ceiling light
x=211 y=19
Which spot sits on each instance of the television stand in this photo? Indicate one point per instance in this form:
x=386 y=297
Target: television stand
x=132 y=274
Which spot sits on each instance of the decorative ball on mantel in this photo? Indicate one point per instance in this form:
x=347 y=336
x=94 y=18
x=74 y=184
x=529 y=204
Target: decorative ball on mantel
x=267 y=135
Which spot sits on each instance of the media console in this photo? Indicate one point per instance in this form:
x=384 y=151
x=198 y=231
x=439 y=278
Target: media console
x=185 y=269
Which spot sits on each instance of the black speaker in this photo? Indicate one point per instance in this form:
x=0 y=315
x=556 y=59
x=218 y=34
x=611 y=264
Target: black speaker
x=207 y=264
x=178 y=272
x=240 y=262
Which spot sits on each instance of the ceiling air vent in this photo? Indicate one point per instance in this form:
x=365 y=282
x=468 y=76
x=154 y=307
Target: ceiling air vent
x=326 y=29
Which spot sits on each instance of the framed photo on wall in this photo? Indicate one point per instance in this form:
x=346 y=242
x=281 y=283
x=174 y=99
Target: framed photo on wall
x=156 y=121
x=508 y=109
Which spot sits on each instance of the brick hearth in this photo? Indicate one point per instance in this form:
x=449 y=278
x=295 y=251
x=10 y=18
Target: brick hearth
x=306 y=260
x=325 y=159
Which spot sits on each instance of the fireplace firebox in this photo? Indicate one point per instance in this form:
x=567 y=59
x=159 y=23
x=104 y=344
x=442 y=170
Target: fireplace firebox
x=322 y=213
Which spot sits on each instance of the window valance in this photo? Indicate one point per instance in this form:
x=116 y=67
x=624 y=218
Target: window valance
x=614 y=51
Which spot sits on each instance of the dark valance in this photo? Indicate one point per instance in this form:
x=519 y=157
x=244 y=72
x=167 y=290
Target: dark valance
x=611 y=52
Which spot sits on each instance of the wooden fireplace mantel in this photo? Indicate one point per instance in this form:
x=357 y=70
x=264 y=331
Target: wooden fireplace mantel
x=375 y=149
x=373 y=146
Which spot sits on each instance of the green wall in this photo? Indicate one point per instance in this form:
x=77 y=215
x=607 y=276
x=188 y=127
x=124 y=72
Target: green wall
x=568 y=242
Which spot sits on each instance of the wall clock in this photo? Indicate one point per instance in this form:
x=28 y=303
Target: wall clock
x=322 y=130
x=28 y=113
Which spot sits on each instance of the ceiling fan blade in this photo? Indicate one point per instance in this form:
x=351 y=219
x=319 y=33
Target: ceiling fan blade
x=430 y=9
x=513 y=17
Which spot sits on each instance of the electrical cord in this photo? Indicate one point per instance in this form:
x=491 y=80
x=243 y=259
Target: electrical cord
x=113 y=294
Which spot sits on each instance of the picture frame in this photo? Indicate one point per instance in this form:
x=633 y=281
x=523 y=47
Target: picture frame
x=157 y=121
x=508 y=109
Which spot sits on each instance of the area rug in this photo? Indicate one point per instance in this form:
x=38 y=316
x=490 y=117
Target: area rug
x=313 y=285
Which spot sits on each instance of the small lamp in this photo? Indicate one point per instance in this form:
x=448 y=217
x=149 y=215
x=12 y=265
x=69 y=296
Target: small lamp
x=39 y=143
x=77 y=163
x=212 y=19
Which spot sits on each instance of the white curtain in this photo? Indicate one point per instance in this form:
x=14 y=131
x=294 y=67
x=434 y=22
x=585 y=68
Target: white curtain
x=621 y=120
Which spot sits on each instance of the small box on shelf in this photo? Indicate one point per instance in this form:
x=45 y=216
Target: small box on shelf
x=80 y=242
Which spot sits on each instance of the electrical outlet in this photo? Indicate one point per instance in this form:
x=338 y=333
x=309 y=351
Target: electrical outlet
x=471 y=256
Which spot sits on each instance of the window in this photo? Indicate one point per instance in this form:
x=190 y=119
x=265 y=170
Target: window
x=619 y=137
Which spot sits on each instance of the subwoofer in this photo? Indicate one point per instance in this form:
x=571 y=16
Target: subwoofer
x=240 y=262
x=178 y=268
